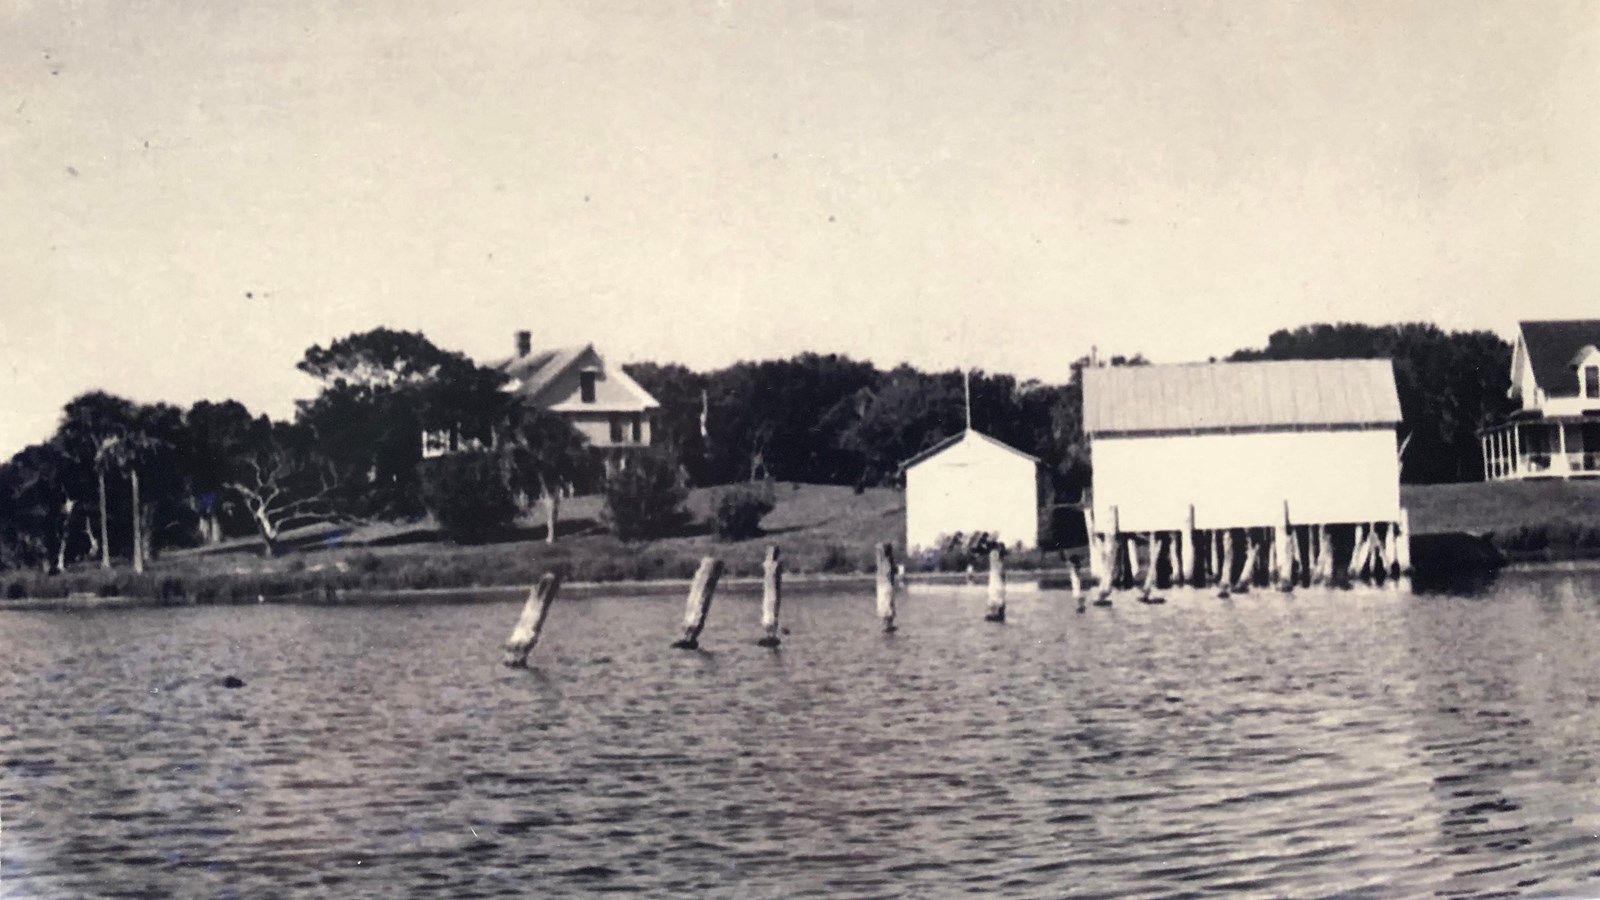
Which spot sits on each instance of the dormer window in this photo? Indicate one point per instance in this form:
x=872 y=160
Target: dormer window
x=1591 y=382
x=586 y=385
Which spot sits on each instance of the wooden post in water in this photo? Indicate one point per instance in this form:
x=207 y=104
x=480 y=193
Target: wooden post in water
x=1150 y=575
x=1097 y=552
x=1227 y=564
x=885 y=554
x=1358 y=555
x=531 y=624
x=1247 y=572
x=1285 y=544
x=771 y=597
x=1187 y=574
x=1110 y=578
x=1324 y=567
x=1402 y=549
x=699 y=602
x=1077 y=584
x=1216 y=573
x=997 y=588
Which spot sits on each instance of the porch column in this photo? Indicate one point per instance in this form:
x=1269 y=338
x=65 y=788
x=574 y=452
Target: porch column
x=1561 y=434
x=1516 y=448
x=1483 y=448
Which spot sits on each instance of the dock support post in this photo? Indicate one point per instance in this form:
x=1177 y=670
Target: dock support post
x=885 y=554
x=1077 y=584
x=1186 y=575
x=1110 y=578
x=1226 y=573
x=1284 y=542
x=531 y=624
x=1247 y=572
x=1097 y=551
x=771 y=596
x=1358 y=554
x=699 y=602
x=997 y=588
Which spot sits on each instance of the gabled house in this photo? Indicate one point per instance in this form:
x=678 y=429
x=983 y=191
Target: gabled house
x=1555 y=374
x=969 y=484
x=606 y=406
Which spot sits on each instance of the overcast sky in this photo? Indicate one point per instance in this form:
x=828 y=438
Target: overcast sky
x=193 y=193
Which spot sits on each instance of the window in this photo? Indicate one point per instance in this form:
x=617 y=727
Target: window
x=616 y=429
x=1591 y=381
x=586 y=385
x=638 y=428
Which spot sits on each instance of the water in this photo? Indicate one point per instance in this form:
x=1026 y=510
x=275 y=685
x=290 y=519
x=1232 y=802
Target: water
x=1359 y=743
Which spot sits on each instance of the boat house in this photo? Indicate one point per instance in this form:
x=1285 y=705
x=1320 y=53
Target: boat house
x=1555 y=374
x=1293 y=461
x=971 y=484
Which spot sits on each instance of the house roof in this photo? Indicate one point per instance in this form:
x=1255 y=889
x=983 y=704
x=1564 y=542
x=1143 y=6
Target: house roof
x=1223 y=396
x=957 y=438
x=1553 y=348
x=535 y=371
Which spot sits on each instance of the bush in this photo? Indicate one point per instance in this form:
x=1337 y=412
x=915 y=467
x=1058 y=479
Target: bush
x=738 y=511
x=467 y=494
x=645 y=500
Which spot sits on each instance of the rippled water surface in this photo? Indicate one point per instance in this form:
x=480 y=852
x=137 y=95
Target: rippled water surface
x=1359 y=743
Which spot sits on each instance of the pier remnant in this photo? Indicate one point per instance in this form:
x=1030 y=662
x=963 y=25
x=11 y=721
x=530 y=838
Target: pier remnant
x=886 y=586
x=1188 y=573
x=771 y=596
x=699 y=602
x=997 y=588
x=531 y=624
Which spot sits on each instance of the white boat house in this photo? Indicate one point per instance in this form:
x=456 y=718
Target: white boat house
x=1187 y=458
x=971 y=484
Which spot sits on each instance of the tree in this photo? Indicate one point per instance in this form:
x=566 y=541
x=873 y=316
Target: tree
x=678 y=424
x=282 y=481
x=213 y=435
x=645 y=500
x=546 y=455
x=93 y=428
x=467 y=494
x=380 y=390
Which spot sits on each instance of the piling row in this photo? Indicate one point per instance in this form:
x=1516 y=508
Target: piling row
x=1283 y=554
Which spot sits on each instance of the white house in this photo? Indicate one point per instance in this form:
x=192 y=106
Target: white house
x=971 y=483
x=1555 y=374
x=1237 y=441
x=607 y=407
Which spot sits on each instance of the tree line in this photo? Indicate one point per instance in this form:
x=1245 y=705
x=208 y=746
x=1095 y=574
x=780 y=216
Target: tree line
x=125 y=480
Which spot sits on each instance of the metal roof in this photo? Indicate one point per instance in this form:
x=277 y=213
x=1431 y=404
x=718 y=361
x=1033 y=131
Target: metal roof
x=1552 y=347
x=1240 y=395
x=957 y=438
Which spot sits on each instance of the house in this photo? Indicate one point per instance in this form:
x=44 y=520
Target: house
x=1210 y=449
x=1555 y=374
x=967 y=484
x=606 y=406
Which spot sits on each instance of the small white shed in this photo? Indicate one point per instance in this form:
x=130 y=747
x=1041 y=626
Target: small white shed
x=971 y=483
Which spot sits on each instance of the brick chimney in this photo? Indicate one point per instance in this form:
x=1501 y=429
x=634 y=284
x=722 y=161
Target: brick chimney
x=524 y=343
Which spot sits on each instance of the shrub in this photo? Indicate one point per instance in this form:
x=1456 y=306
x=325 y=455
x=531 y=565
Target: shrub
x=837 y=559
x=467 y=494
x=645 y=500
x=738 y=511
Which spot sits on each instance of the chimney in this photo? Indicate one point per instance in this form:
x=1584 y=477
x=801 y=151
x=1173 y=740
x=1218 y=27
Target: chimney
x=524 y=343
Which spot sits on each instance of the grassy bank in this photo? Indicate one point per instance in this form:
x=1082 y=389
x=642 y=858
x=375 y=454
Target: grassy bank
x=1525 y=521
x=822 y=529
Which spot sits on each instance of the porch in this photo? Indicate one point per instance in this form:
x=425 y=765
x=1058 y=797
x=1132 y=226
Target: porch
x=1549 y=447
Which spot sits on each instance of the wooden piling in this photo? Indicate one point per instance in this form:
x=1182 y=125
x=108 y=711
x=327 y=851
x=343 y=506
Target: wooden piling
x=531 y=624
x=1358 y=554
x=885 y=554
x=1247 y=572
x=699 y=602
x=1226 y=575
x=1216 y=573
x=1282 y=536
x=1076 y=582
x=771 y=597
x=1097 y=553
x=1111 y=548
x=997 y=588
x=1186 y=575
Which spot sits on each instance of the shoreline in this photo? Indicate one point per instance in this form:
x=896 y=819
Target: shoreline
x=1027 y=580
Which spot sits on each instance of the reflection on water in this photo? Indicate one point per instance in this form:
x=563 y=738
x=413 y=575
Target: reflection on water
x=1358 y=743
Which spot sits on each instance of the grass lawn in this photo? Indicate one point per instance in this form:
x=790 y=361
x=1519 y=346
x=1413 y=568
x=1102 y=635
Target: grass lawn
x=820 y=528
x=1501 y=507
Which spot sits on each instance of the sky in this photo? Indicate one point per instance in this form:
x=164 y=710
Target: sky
x=193 y=193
